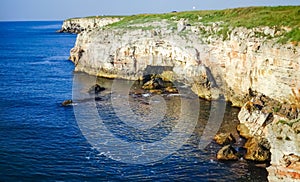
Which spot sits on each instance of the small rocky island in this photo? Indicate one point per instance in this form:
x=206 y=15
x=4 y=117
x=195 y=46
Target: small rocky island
x=251 y=55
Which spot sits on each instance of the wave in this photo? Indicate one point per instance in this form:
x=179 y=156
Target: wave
x=50 y=60
x=55 y=26
x=56 y=58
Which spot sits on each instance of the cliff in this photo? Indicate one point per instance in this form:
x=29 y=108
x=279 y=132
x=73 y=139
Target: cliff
x=77 y=25
x=249 y=55
x=243 y=58
x=243 y=63
x=284 y=136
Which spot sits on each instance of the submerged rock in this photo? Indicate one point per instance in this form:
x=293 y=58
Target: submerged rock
x=224 y=138
x=227 y=153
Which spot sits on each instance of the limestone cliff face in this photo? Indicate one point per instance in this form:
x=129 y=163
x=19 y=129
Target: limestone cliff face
x=248 y=67
x=284 y=136
x=235 y=66
x=77 y=25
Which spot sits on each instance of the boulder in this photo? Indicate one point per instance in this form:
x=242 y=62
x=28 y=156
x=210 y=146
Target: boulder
x=258 y=149
x=154 y=83
x=243 y=131
x=227 y=153
x=224 y=138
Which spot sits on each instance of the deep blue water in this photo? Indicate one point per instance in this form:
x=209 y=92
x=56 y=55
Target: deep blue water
x=41 y=141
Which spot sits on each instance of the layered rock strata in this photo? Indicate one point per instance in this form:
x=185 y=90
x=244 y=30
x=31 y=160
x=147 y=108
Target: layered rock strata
x=234 y=66
x=279 y=124
x=284 y=137
x=248 y=66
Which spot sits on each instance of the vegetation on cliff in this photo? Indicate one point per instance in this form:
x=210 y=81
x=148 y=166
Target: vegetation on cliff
x=282 y=18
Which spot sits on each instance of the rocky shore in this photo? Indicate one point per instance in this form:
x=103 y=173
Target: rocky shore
x=248 y=66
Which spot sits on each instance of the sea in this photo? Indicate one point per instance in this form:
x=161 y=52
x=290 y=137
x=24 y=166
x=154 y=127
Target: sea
x=40 y=140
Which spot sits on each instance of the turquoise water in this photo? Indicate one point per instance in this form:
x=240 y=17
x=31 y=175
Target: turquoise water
x=41 y=141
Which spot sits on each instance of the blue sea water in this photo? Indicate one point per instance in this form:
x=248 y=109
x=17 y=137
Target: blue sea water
x=41 y=141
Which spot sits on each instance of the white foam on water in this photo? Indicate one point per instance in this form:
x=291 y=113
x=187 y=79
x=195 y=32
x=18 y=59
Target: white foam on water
x=146 y=95
x=50 y=60
x=55 y=26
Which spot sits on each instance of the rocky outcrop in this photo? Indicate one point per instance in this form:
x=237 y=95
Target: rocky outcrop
x=208 y=64
x=271 y=128
x=227 y=153
x=224 y=139
x=247 y=66
x=258 y=149
x=77 y=25
x=284 y=138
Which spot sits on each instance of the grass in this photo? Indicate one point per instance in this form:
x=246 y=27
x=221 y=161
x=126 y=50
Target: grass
x=249 y=17
x=100 y=16
x=289 y=123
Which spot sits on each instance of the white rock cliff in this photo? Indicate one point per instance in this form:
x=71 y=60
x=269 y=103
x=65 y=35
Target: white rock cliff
x=241 y=63
x=236 y=67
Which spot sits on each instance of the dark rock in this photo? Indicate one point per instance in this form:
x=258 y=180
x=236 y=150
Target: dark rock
x=96 y=89
x=242 y=151
x=154 y=83
x=67 y=103
x=227 y=153
x=258 y=149
x=98 y=99
x=224 y=138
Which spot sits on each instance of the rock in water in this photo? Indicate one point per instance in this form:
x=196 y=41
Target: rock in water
x=171 y=90
x=67 y=103
x=154 y=83
x=96 y=89
x=224 y=138
x=227 y=153
x=258 y=149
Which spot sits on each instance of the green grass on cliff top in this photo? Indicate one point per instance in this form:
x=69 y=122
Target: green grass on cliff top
x=249 y=17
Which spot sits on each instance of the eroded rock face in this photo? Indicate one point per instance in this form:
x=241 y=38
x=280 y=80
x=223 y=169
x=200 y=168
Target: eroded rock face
x=271 y=131
x=284 y=138
x=229 y=67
